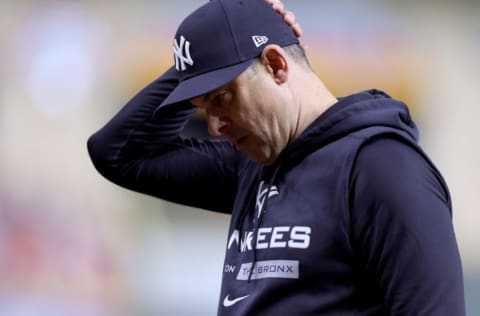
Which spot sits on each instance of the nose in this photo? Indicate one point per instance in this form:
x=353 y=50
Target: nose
x=216 y=125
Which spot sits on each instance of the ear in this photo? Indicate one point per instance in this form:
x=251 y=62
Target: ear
x=274 y=57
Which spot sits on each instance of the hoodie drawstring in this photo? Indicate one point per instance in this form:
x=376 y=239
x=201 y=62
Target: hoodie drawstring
x=260 y=220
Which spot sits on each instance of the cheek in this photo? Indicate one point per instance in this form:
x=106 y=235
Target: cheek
x=254 y=108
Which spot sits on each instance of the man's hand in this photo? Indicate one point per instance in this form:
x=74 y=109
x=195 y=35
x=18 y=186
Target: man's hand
x=288 y=16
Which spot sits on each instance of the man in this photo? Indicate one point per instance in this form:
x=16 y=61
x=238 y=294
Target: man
x=336 y=210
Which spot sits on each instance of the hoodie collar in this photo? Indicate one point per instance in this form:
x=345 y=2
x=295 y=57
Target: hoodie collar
x=351 y=113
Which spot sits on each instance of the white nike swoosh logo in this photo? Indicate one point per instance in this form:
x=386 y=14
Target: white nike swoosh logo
x=227 y=302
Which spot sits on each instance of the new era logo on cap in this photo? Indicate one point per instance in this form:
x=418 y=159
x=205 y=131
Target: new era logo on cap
x=259 y=40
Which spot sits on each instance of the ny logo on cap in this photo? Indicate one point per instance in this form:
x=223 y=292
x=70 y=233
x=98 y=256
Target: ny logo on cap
x=180 y=58
x=259 y=40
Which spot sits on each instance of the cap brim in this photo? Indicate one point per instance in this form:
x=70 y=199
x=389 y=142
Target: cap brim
x=204 y=83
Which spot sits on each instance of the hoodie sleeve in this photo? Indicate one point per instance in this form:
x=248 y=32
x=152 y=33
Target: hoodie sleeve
x=403 y=230
x=148 y=155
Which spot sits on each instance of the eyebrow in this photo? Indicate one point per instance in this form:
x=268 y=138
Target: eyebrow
x=208 y=95
x=204 y=98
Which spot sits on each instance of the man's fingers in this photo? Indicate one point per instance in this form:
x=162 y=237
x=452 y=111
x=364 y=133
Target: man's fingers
x=277 y=5
x=297 y=30
x=289 y=17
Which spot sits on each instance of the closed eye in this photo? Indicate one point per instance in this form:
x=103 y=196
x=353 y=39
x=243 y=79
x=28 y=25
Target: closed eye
x=217 y=100
x=221 y=98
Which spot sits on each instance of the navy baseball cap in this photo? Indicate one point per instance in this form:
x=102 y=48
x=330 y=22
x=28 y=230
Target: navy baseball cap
x=218 y=41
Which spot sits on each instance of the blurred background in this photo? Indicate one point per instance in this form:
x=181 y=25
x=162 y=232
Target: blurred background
x=72 y=243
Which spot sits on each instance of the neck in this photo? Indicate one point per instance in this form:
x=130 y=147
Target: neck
x=312 y=99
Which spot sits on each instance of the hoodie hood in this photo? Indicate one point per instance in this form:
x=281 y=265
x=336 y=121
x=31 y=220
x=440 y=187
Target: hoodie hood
x=352 y=113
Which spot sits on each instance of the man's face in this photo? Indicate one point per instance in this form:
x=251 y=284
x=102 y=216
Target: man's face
x=250 y=113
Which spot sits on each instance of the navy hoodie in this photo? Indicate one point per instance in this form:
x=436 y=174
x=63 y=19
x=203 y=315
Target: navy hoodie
x=352 y=219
